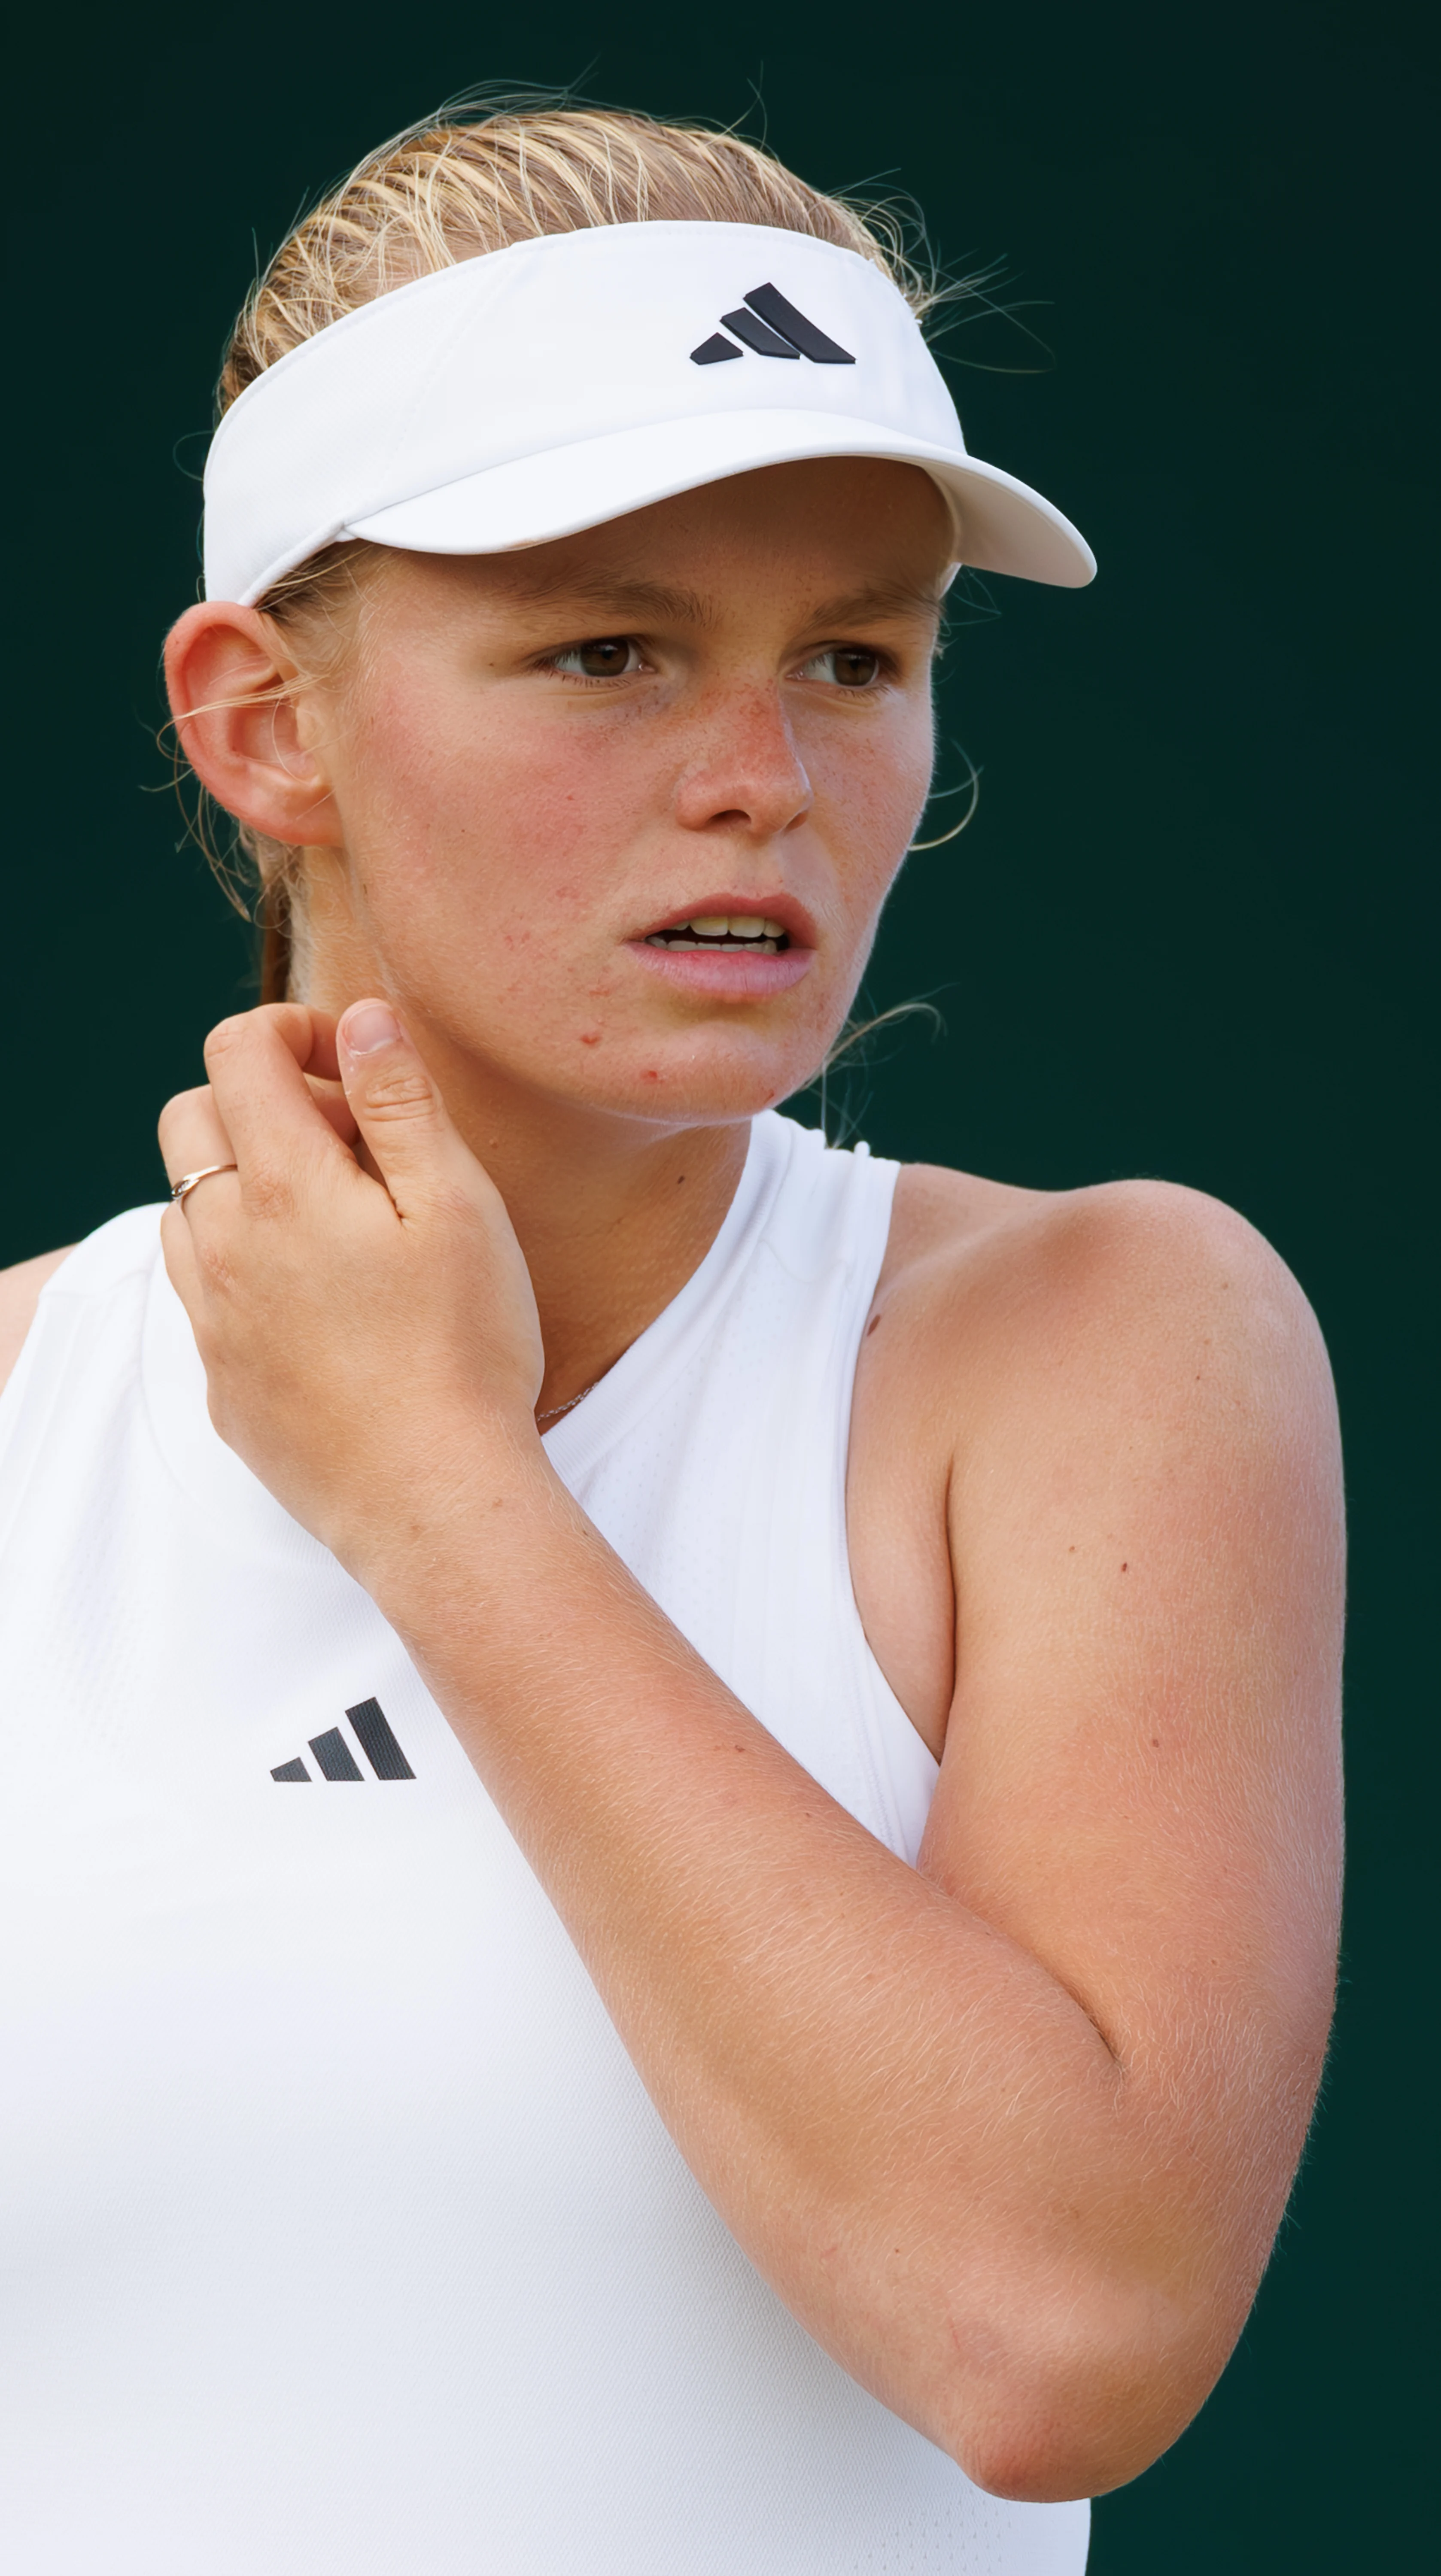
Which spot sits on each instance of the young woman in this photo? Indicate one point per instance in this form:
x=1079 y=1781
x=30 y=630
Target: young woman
x=790 y=2052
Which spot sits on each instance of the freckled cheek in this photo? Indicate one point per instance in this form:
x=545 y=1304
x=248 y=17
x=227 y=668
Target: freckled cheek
x=876 y=795
x=531 y=826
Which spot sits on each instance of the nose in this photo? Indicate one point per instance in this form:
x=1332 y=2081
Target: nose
x=745 y=775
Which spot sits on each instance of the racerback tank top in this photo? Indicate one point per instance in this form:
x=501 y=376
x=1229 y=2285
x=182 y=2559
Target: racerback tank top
x=339 y=2235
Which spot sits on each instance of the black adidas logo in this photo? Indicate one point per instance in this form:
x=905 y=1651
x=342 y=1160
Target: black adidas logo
x=770 y=324
x=376 y=1738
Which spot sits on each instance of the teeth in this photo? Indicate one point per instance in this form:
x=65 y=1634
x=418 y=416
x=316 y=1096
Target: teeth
x=705 y=929
x=739 y=925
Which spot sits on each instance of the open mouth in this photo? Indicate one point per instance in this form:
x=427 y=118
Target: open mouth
x=750 y=932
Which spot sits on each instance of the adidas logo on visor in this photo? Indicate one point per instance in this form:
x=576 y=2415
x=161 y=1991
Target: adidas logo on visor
x=769 y=323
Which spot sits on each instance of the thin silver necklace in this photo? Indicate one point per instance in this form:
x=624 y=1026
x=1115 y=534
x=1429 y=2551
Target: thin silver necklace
x=556 y=1410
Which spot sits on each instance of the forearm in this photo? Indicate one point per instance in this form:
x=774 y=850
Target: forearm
x=915 y=2131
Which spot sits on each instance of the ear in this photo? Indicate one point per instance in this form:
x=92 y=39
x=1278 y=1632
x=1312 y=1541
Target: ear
x=236 y=700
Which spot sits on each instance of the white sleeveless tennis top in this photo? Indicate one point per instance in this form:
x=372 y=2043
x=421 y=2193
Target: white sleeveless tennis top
x=339 y=2235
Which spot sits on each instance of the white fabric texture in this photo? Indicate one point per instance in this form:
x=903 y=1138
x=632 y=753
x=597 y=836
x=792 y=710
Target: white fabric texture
x=339 y=2236
x=552 y=386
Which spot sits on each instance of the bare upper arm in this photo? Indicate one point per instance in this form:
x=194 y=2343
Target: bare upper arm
x=1145 y=1527
x=1115 y=1496
x=20 y=1289
x=1141 y=1775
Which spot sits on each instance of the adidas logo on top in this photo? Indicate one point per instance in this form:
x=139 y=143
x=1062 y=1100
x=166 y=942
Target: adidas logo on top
x=770 y=324
x=334 y=1759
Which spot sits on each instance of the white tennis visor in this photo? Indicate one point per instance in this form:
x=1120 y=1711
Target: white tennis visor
x=535 y=391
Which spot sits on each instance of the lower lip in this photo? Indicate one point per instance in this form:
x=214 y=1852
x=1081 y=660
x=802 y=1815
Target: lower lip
x=725 y=974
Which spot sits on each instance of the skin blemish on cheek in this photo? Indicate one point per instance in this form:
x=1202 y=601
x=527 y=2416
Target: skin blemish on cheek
x=590 y=1037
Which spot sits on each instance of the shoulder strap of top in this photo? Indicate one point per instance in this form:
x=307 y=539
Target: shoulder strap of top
x=89 y=1312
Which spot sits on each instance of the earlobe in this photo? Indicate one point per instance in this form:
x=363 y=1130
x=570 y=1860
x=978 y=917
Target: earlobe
x=232 y=690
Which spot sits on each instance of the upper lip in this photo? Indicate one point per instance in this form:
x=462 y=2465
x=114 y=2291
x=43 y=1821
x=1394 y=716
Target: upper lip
x=793 y=917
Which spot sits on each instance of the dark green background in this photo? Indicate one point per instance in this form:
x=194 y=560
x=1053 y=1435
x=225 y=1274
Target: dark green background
x=1186 y=933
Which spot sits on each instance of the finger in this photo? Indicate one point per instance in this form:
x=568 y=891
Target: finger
x=399 y=1112
x=208 y=1205
x=334 y=1108
x=276 y=1121
x=192 y=1134
x=181 y=1262
x=309 y=1034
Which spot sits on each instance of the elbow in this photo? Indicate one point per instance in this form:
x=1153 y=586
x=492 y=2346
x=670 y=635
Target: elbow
x=1038 y=2424
x=1044 y=2456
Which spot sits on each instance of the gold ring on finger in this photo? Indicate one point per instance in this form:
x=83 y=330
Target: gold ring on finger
x=191 y=1180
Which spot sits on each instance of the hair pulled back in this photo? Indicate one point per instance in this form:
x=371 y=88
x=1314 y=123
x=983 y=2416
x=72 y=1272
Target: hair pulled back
x=453 y=190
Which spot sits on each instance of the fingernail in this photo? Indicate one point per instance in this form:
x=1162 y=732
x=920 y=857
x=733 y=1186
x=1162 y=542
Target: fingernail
x=369 y=1026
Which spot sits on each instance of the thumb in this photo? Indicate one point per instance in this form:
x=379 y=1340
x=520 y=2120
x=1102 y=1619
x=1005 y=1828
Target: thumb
x=397 y=1108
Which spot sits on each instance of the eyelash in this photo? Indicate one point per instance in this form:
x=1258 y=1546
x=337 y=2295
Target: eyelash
x=591 y=679
x=884 y=670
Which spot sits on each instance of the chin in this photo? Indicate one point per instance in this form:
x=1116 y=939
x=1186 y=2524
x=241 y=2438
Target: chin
x=696 y=1085
x=595 y=1051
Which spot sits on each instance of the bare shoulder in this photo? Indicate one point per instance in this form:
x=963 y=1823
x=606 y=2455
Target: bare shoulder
x=20 y=1289
x=1139 y=1268
x=1026 y=1345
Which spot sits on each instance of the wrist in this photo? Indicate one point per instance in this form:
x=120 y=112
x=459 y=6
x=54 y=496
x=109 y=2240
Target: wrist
x=420 y=1520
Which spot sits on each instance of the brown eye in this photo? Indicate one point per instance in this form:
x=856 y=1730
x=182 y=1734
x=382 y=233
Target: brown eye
x=847 y=666
x=605 y=657
x=856 y=669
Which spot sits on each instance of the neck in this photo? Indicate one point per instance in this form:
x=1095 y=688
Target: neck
x=612 y=1213
x=613 y=1216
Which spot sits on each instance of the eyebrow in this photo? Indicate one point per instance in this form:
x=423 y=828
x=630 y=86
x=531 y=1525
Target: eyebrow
x=883 y=599
x=624 y=598
x=643 y=599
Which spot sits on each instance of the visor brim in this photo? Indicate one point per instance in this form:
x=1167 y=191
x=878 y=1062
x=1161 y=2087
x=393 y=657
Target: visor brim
x=1002 y=526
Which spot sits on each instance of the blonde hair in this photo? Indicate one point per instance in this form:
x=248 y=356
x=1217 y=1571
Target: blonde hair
x=453 y=189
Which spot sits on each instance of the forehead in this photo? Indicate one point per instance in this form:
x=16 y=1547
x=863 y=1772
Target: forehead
x=829 y=526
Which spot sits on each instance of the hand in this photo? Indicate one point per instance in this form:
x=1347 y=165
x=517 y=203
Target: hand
x=357 y=1294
